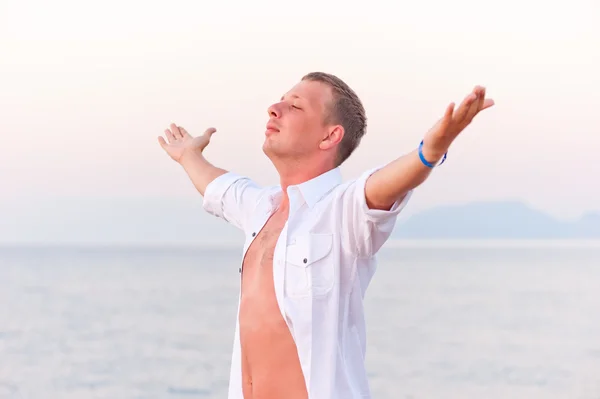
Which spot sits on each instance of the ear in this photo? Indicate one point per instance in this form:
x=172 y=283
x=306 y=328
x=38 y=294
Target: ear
x=334 y=136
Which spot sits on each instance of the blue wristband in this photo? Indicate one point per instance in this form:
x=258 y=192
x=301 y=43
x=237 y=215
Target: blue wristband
x=425 y=162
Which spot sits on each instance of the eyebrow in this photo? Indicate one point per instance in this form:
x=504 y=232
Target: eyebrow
x=293 y=96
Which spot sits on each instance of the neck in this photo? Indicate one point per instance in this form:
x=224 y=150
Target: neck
x=298 y=172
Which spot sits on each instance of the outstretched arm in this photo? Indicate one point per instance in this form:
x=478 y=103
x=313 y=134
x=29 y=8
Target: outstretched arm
x=392 y=182
x=226 y=195
x=375 y=200
x=200 y=171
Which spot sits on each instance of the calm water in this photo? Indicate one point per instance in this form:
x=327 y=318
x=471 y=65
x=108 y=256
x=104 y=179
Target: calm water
x=443 y=323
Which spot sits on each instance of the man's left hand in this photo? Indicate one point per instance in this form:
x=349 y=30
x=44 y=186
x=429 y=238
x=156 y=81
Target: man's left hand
x=437 y=141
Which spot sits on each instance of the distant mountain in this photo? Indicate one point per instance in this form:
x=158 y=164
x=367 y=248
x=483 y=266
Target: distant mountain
x=494 y=220
x=164 y=221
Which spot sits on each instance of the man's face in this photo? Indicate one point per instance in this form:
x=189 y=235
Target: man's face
x=296 y=126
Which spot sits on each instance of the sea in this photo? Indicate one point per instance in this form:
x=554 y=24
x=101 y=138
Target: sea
x=447 y=320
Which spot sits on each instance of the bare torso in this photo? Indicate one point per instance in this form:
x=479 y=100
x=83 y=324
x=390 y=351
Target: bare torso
x=270 y=365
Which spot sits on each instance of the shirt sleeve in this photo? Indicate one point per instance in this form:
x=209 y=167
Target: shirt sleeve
x=232 y=197
x=366 y=229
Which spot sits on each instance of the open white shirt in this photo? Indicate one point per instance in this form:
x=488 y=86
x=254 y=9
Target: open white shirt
x=323 y=262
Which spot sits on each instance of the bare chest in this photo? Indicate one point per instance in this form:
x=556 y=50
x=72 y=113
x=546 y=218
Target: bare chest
x=257 y=268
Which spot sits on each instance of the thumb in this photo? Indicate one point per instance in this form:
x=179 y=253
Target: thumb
x=447 y=118
x=209 y=132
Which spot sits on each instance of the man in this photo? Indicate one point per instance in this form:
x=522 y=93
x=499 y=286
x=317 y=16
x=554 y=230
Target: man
x=311 y=241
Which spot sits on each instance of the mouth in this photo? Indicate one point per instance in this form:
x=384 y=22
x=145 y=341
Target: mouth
x=271 y=129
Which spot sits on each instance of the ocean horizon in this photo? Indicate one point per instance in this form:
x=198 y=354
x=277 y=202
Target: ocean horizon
x=391 y=243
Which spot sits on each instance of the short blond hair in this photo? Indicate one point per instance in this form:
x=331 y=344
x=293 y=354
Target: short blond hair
x=346 y=110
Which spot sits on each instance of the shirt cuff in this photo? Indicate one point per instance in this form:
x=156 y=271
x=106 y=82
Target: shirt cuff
x=215 y=191
x=378 y=215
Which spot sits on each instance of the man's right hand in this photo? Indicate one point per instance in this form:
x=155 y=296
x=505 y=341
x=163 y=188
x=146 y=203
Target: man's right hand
x=180 y=142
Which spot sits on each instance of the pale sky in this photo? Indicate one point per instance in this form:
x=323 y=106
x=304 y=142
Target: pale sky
x=86 y=88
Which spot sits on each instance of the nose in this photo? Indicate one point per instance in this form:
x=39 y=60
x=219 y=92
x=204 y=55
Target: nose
x=274 y=111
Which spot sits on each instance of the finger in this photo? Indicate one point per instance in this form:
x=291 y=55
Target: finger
x=483 y=104
x=162 y=142
x=175 y=130
x=476 y=106
x=479 y=91
x=183 y=132
x=464 y=107
x=473 y=109
x=488 y=102
x=169 y=135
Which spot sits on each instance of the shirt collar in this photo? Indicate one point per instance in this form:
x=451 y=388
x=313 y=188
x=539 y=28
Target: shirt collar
x=314 y=189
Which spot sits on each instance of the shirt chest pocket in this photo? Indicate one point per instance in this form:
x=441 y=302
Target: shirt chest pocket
x=309 y=268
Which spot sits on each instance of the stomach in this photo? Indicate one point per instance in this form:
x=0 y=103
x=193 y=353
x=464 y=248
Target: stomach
x=270 y=363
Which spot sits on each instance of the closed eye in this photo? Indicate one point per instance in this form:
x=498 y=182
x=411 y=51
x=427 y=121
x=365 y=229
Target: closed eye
x=293 y=106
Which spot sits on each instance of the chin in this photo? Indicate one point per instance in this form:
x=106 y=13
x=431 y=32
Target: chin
x=267 y=148
x=270 y=149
